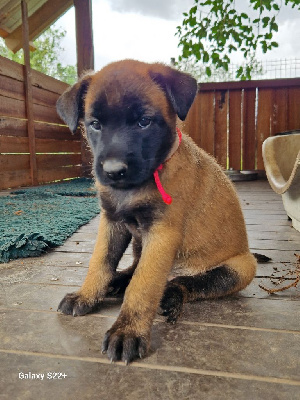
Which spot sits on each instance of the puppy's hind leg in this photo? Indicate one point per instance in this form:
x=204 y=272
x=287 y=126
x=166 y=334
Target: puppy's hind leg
x=230 y=277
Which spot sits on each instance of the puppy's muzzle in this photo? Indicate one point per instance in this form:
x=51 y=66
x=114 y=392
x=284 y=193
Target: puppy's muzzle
x=115 y=169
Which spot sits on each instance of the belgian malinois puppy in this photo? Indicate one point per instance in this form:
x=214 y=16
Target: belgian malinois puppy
x=171 y=199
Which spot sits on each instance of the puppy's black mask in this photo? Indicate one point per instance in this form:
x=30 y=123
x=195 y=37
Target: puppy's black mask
x=129 y=140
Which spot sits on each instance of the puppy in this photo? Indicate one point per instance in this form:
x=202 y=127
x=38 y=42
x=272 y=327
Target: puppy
x=171 y=199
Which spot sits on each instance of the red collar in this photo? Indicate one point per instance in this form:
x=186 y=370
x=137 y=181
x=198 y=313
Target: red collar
x=165 y=196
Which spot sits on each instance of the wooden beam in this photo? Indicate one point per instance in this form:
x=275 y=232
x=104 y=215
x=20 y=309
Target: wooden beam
x=38 y=22
x=84 y=35
x=85 y=61
x=28 y=94
x=238 y=85
x=3 y=33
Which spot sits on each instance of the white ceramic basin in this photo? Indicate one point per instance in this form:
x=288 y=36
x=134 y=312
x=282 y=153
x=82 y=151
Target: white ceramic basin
x=281 y=156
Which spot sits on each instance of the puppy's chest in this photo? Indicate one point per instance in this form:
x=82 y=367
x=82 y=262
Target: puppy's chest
x=137 y=215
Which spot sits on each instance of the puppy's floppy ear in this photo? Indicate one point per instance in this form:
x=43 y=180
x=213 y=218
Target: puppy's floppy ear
x=70 y=105
x=179 y=87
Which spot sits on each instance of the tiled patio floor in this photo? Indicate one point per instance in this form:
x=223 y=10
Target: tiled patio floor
x=242 y=347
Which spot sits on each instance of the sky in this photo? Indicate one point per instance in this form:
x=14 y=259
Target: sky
x=145 y=30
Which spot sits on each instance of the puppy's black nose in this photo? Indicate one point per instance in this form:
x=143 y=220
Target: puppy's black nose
x=115 y=169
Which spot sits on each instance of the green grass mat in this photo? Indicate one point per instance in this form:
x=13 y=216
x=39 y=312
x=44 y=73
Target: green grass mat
x=36 y=219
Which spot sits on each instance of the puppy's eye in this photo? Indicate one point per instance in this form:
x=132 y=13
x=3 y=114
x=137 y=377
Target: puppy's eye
x=96 y=125
x=144 y=122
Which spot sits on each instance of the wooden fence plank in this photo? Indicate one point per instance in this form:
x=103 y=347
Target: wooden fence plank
x=235 y=129
x=207 y=121
x=191 y=124
x=293 y=108
x=280 y=116
x=13 y=179
x=46 y=114
x=11 y=88
x=11 y=144
x=86 y=158
x=51 y=161
x=11 y=69
x=44 y=97
x=249 y=130
x=12 y=108
x=13 y=127
x=57 y=132
x=57 y=146
x=196 y=131
x=18 y=127
x=264 y=122
x=221 y=115
x=12 y=162
x=50 y=175
x=48 y=83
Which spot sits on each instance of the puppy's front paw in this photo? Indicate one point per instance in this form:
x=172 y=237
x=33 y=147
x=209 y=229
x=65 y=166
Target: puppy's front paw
x=172 y=303
x=121 y=344
x=74 y=304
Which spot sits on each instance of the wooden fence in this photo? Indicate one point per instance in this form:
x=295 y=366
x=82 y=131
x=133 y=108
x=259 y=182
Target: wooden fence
x=54 y=151
x=230 y=120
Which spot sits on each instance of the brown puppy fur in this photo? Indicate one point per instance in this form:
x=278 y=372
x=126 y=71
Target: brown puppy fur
x=202 y=233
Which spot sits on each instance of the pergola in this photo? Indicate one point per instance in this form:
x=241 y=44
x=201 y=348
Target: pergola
x=23 y=21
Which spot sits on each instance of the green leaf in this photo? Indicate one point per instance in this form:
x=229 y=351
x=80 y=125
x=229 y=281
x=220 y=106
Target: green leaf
x=225 y=65
x=215 y=57
x=231 y=48
x=192 y=21
x=205 y=57
x=185 y=52
x=239 y=72
x=248 y=72
x=208 y=71
x=193 y=10
x=274 y=27
x=264 y=46
x=265 y=21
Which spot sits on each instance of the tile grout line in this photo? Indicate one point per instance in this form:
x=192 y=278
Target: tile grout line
x=186 y=370
x=241 y=327
x=160 y=320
